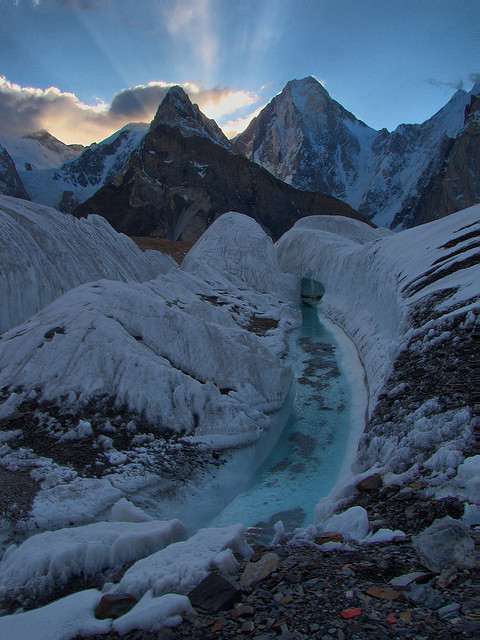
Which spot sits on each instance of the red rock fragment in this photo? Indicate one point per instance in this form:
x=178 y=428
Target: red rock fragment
x=391 y=619
x=218 y=626
x=350 y=613
x=328 y=536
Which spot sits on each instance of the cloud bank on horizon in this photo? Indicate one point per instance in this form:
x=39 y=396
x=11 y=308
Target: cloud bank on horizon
x=63 y=61
x=24 y=110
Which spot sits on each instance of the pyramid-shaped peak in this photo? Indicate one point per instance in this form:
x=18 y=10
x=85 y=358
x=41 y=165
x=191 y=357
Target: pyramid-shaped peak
x=307 y=85
x=177 y=110
x=175 y=105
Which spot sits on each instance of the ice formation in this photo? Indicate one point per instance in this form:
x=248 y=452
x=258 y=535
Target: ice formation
x=47 y=561
x=44 y=253
x=401 y=298
x=181 y=566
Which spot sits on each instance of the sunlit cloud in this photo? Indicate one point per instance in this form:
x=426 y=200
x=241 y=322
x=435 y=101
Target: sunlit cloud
x=233 y=127
x=27 y=109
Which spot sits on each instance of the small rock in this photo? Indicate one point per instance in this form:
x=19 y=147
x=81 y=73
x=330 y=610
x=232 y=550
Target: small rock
x=257 y=571
x=242 y=610
x=214 y=594
x=248 y=626
x=407 y=579
x=218 y=626
x=372 y=483
x=114 y=605
x=424 y=594
x=448 y=611
x=391 y=619
x=350 y=613
x=328 y=536
x=383 y=593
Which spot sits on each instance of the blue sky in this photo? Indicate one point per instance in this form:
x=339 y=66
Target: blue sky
x=83 y=68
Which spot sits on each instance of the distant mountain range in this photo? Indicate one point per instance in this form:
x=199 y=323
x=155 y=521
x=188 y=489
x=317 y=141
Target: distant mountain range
x=400 y=179
x=184 y=175
x=175 y=177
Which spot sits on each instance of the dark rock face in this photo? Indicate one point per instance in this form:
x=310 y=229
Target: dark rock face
x=185 y=174
x=10 y=182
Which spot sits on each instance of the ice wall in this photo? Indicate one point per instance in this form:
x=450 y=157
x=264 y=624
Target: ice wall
x=360 y=287
x=44 y=253
x=369 y=277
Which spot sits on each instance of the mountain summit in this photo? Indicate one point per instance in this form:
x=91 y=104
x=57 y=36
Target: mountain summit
x=176 y=109
x=309 y=140
x=185 y=174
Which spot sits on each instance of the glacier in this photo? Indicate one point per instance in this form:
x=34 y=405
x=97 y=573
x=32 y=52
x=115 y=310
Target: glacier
x=44 y=253
x=184 y=364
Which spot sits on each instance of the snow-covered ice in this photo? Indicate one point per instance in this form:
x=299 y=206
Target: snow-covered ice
x=183 y=565
x=44 y=253
x=47 y=561
x=152 y=614
x=60 y=620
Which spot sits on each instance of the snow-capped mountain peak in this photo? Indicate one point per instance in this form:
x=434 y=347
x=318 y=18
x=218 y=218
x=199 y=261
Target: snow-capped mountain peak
x=309 y=140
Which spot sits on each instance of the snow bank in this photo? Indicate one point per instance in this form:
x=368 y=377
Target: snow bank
x=61 y=620
x=183 y=565
x=46 y=561
x=151 y=614
x=370 y=285
x=44 y=253
x=237 y=247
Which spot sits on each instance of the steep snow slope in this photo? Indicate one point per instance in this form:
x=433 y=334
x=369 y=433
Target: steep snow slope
x=77 y=179
x=44 y=253
x=38 y=150
x=411 y=303
x=309 y=140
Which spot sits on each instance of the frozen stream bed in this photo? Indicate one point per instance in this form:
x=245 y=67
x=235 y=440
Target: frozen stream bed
x=317 y=442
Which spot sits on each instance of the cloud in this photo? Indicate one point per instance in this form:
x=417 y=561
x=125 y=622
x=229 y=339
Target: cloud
x=27 y=109
x=81 y=5
x=233 y=127
x=191 y=22
x=472 y=78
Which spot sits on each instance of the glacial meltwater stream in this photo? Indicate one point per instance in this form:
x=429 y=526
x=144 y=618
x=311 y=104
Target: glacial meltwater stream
x=305 y=463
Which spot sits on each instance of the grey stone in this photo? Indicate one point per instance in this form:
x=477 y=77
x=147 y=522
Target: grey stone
x=426 y=596
x=257 y=571
x=449 y=610
x=214 y=594
x=446 y=543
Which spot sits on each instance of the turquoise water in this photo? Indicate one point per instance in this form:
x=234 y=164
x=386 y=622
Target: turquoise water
x=305 y=463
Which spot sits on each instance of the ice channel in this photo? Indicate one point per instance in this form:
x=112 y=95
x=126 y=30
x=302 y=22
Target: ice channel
x=318 y=442
x=308 y=447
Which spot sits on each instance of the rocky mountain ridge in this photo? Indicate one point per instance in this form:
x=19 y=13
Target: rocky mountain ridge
x=10 y=182
x=309 y=140
x=185 y=174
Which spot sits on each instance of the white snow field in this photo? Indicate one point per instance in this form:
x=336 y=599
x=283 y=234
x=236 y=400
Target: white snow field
x=44 y=253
